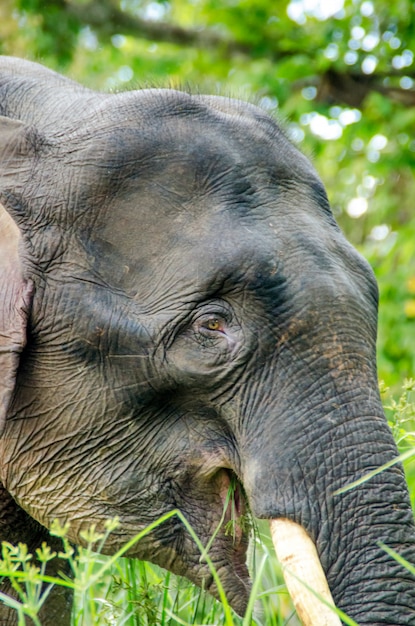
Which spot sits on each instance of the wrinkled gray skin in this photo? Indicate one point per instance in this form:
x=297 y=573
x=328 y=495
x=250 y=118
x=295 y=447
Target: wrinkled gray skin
x=183 y=311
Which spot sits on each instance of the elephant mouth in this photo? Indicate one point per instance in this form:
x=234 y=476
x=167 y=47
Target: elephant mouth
x=303 y=573
x=236 y=513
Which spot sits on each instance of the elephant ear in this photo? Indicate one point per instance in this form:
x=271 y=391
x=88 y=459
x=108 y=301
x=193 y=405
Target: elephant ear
x=15 y=289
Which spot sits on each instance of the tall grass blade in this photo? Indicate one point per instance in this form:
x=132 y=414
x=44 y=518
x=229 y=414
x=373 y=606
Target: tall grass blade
x=400 y=559
x=402 y=457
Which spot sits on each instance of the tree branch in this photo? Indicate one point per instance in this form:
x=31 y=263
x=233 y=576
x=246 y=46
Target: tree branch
x=108 y=20
x=350 y=88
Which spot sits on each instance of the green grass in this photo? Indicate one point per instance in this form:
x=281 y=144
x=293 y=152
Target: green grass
x=115 y=591
x=124 y=592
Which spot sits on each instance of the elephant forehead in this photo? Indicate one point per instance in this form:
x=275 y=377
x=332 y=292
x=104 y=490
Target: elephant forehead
x=222 y=212
x=160 y=122
x=185 y=145
x=197 y=256
x=187 y=257
x=188 y=189
x=184 y=170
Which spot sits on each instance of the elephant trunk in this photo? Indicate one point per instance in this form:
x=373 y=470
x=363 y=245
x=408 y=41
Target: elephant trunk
x=297 y=476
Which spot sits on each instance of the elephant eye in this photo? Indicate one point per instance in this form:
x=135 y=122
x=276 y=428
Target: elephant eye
x=213 y=323
x=215 y=328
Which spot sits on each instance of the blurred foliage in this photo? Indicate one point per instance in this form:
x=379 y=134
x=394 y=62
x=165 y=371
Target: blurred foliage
x=340 y=73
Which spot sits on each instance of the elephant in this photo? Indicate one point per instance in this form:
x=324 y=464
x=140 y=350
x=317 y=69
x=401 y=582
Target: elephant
x=181 y=315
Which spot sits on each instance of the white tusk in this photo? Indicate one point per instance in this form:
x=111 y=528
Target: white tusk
x=300 y=562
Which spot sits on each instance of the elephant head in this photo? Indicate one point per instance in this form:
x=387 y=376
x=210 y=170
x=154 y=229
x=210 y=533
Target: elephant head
x=180 y=314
